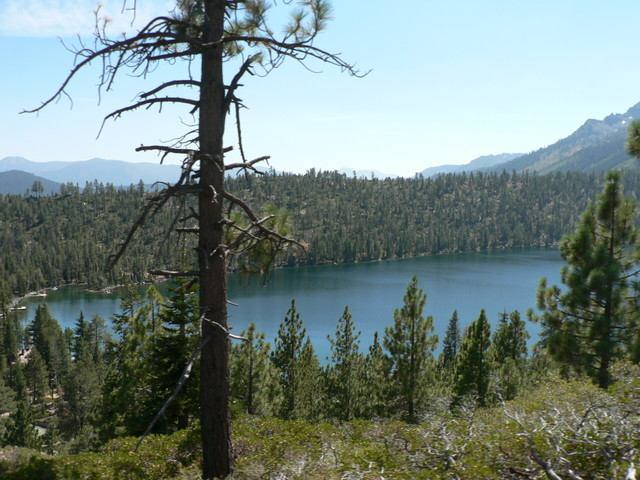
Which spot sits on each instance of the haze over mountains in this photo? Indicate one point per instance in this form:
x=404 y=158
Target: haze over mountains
x=17 y=182
x=596 y=146
x=486 y=161
x=116 y=172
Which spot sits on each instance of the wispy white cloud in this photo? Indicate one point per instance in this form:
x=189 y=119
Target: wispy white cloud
x=44 y=18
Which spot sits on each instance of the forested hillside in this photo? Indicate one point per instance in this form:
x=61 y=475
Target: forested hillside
x=350 y=220
x=67 y=238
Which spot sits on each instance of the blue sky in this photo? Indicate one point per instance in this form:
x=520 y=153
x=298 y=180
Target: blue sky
x=450 y=80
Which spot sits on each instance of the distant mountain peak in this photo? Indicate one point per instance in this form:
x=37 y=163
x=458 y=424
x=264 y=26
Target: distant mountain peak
x=596 y=146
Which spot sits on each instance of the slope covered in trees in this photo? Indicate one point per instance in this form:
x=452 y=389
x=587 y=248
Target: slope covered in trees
x=67 y=238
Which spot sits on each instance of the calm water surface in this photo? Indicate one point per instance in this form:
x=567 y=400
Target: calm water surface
x=495 y=281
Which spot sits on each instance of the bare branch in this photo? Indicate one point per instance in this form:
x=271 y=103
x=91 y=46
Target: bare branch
x=174 y=273
x=163 y=148
x=154 y=205
x=159 y=34
x=173 y=83
x=180 y=54
x=148 y=103
x=168 y=150
x=188 y=230
x=533 y=451
x=248 y=165
x=227 y=332
x=296 y=50
x=236 y=79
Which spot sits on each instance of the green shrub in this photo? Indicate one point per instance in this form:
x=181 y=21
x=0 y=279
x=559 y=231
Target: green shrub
x=159 y=457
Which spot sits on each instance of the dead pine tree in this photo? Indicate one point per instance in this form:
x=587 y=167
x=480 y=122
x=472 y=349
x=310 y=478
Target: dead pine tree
x=225 y=39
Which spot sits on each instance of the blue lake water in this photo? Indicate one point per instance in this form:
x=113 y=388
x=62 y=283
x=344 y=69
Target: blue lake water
x=496 y=281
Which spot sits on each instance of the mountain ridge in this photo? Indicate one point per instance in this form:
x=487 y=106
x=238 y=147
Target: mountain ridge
x=17 y=182
x=485 y=161
x=116 y=172
x=596 y=146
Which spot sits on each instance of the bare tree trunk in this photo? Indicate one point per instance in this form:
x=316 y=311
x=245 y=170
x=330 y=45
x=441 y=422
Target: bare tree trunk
x=192 y=37
x=214 y=363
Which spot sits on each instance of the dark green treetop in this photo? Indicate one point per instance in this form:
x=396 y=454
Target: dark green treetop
x=254 y=378
x=345 y=375
x=592 y=323
x=47 y=336
x=21 y=431
x=473 y=366
x=410 y=344
x=286 y=354
x=510 y=339
x=633 y=140
x=451 y=343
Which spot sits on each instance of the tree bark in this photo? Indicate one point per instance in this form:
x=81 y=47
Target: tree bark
x=214 y=362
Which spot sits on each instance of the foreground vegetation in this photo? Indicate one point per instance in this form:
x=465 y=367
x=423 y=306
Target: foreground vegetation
x=570 y=428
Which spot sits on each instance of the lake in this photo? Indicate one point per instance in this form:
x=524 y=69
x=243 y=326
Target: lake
x=467 y=282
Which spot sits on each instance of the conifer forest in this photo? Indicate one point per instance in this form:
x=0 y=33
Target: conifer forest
x=67 y=238
x=89 y=401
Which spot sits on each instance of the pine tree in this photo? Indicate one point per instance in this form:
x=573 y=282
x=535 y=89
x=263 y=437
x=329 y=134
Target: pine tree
x=37 y=377
x=51 y=440
x=173 y=337
x=473 y=368
x=10 y=344
x=80 y=404
x=594 y=321
x=154 y=300
x=345 y=375
x=510 y=339
x=633 y=139
x=508 y=354
x=287 y=352
x=18 y=382
x=377 y=380
x=47 y=336
x=7 y=400
x=210 y=33
x=128 y=383
x=80 y=346
x=451 y=343
x=37 y=188
x=254 y=378
x=97 y=338
x=410 y=344
x=21 y=431
x=307 y=385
